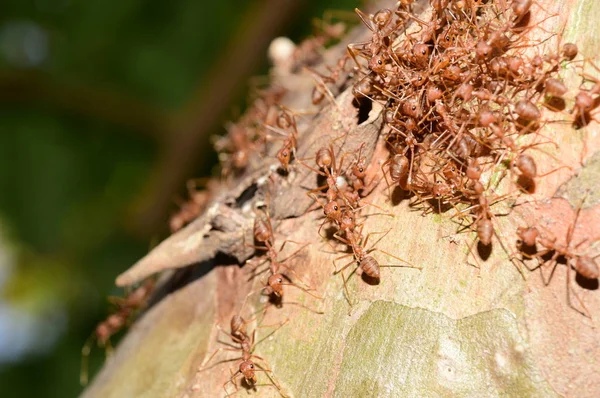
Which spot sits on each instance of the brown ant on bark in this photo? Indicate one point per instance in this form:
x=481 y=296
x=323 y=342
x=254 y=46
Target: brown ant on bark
x=194 y=206
x=366 y=263
x=248 y=367
x=126 y=307
x=584 y=265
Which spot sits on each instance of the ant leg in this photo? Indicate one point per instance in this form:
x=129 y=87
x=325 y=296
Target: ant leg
x=351 y=48
x=304 y=244
x=378 y=240
x=295 y=275
x=346 y=291
x=232 y=381
x=375 y=206
x=386 y=179
x=203 y=366
x=248 y=295
x=570 y=290
x=85 y=355
x=409 y=265
x=552 y=263
x=277 y=327
x=271 y=377
x=471 y=252
x=337 y=271
x=308 y=291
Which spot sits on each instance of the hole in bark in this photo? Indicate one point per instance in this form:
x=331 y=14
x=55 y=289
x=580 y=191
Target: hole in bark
x=364 y=106
x=247 y=195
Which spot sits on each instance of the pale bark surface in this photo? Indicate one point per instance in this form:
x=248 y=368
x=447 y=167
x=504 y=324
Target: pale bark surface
x=448 y=330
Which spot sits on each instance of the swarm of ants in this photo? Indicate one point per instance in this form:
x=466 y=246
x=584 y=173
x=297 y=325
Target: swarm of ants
x=462 y=94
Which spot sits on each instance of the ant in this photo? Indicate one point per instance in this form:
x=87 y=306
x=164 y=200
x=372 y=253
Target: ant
x=191 y=209
x=126 y=307
x=584 y=265
x=248 y=366
x=366 y=263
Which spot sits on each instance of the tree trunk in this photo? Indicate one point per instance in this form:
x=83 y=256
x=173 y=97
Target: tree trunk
x=450 y=328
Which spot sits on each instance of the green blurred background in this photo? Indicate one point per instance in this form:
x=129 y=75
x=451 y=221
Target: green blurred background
x=106 y=108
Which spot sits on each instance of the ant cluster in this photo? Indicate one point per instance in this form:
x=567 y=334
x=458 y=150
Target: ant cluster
x=461 y=94
x=461 y=97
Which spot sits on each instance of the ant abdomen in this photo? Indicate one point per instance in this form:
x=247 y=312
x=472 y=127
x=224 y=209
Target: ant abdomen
x=587 y=267
x=526 y=165
x=485 y=231
x=261 y=231
x=555 y=87
x=370 y=266
x=527 y=110
x=238 y=326
x=399 y=167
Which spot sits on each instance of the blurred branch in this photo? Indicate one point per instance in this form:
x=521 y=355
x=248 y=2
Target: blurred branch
x=188 y=139
x=29 y=86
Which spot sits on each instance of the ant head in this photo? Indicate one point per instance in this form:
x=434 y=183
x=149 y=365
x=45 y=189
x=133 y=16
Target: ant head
x=324 y=158
x=411 y=108
x=275 y=282
x=474 y=169
x=482 y=51
x=247 y=368
x=284 y=156
x=382 y=17
x=332 y=210
x=377 y=64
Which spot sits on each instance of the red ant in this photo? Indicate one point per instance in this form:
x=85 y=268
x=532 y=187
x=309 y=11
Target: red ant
x=191 y=209
x=584 y=265
x=248 y=366
x=126 y=307
x=368 y=264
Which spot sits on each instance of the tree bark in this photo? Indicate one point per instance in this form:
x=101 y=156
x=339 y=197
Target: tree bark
x=448 y=329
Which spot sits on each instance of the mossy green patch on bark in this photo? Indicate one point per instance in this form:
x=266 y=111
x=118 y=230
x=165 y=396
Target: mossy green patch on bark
x=583 y=26
x=394 y=350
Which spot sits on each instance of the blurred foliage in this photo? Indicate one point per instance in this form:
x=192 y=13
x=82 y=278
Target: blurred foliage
x=68 y=180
